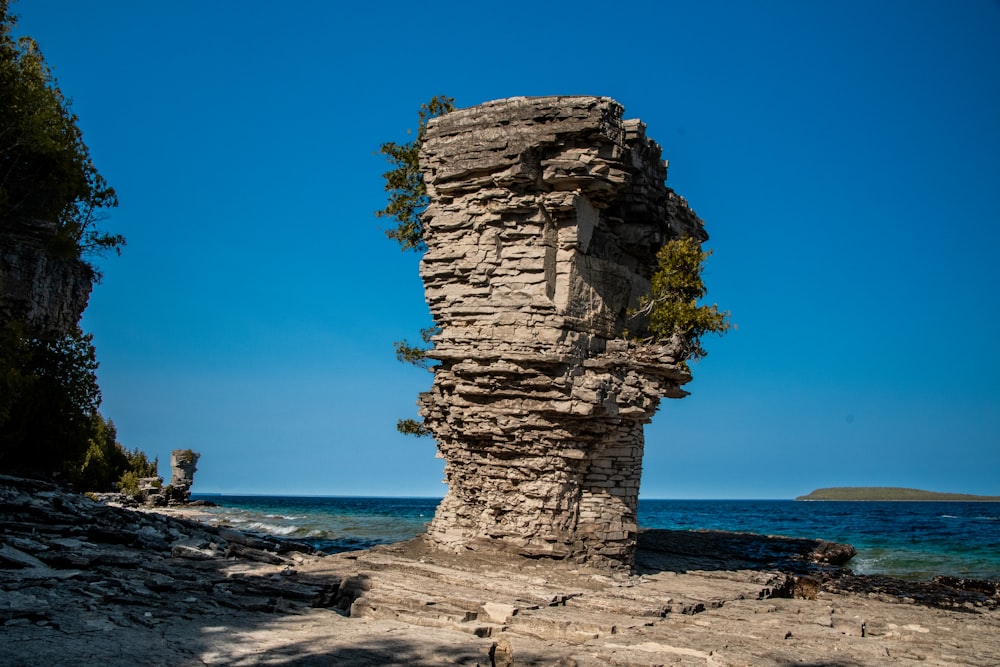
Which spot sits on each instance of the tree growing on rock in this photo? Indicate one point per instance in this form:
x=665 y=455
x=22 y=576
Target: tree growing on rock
x=49 y=396
x=407 y=202
x=46 y=172
x=672 y=307
x=405 y=183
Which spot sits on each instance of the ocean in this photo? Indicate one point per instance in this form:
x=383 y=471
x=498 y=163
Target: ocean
x=911 y=540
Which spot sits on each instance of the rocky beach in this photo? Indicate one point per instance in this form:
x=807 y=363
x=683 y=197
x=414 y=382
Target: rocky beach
x=565 y=282
x=85 y=583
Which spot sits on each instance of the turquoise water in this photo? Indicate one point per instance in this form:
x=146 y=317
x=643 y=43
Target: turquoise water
x=912 y=540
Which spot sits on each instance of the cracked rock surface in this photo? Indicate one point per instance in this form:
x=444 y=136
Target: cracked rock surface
x=544 y=222
x=87 y=584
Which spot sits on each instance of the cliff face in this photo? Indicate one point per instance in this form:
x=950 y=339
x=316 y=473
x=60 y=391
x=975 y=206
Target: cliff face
x=46 y=292
x=545 y=218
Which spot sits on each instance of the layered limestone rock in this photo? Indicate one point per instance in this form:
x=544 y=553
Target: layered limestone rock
x=544 y=221
x=45 y=292
x=183 y=465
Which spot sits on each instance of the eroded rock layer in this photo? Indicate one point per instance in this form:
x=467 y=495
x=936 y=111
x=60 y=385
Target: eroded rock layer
x=545 y=218
x=44 y=291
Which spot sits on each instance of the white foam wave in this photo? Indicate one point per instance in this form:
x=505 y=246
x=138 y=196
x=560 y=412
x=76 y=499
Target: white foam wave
x=865 y=564
x=317 y=533
x=271 y=528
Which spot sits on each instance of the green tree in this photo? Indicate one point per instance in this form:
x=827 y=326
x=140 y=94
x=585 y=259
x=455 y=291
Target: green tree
x=136 y=468
x=46 y=172
x=107 y=463
x=49 y=420
x=49 y=397
x=407 y=202
x=415 y=354
x=672 y=308
x=405 y=183
x=104 y=460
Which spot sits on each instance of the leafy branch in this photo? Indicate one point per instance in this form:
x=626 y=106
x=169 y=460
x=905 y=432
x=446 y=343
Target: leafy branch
x=414 y=354
x=405 y=184
x=46 y=172
x=672 y=308
x=407 y=202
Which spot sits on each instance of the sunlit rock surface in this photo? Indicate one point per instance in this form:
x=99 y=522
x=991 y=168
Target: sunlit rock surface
x=545 y=218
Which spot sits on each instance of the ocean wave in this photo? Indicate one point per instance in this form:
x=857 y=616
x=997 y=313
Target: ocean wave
x=271 y=528
x=865 y=564
x=318 y=534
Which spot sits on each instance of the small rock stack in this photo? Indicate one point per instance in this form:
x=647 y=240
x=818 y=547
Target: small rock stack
x=544 y=222
x=183 y=465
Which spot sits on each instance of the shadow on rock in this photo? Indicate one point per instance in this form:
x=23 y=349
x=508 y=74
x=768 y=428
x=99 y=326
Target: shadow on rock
x=683 y=551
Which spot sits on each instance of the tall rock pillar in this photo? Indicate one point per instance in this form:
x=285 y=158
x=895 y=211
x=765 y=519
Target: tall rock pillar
x=544 y=221
x=183 y=465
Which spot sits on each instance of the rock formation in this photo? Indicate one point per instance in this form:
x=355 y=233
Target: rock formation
x=544 y=221
x=183 y=465
x=46 y=292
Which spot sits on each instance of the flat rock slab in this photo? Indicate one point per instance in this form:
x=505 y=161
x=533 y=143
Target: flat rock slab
x=110 y=590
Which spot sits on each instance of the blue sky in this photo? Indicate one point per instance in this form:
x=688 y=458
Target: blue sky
x=845 y=157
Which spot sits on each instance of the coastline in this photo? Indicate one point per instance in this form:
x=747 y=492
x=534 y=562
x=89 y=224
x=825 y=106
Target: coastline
x=895 y=500
x=84 y=583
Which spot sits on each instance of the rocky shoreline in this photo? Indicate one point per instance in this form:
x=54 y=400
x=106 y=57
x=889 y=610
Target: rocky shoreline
x=86 y=583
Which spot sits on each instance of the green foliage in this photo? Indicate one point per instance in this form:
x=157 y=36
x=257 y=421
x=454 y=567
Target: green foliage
x=185 y=456
x=140 y=463
x=137 y=466
x=412 y=427
x=49 y=419
x=407 y=202
x=414 y=354
x=104 y=460
x=405 y=183
x=672 y=307
x=129 y=483
x=14 y=360
x=47 y=422
x=45 y=168
x=49 y=395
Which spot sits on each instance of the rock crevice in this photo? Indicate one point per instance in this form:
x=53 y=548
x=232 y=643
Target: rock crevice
x=544 y=222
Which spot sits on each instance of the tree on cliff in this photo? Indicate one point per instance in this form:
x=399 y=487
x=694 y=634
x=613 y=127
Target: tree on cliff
x=405 y=183
x=49 y=397
x=407 y=202
x=45 y=168
x=672 y=307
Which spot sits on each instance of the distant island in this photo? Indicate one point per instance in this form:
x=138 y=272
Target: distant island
x=889 y=493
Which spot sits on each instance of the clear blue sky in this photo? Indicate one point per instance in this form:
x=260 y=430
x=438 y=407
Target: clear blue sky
x=845 y=157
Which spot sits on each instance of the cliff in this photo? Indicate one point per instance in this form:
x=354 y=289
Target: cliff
x=44 y=291
x=544 y=222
